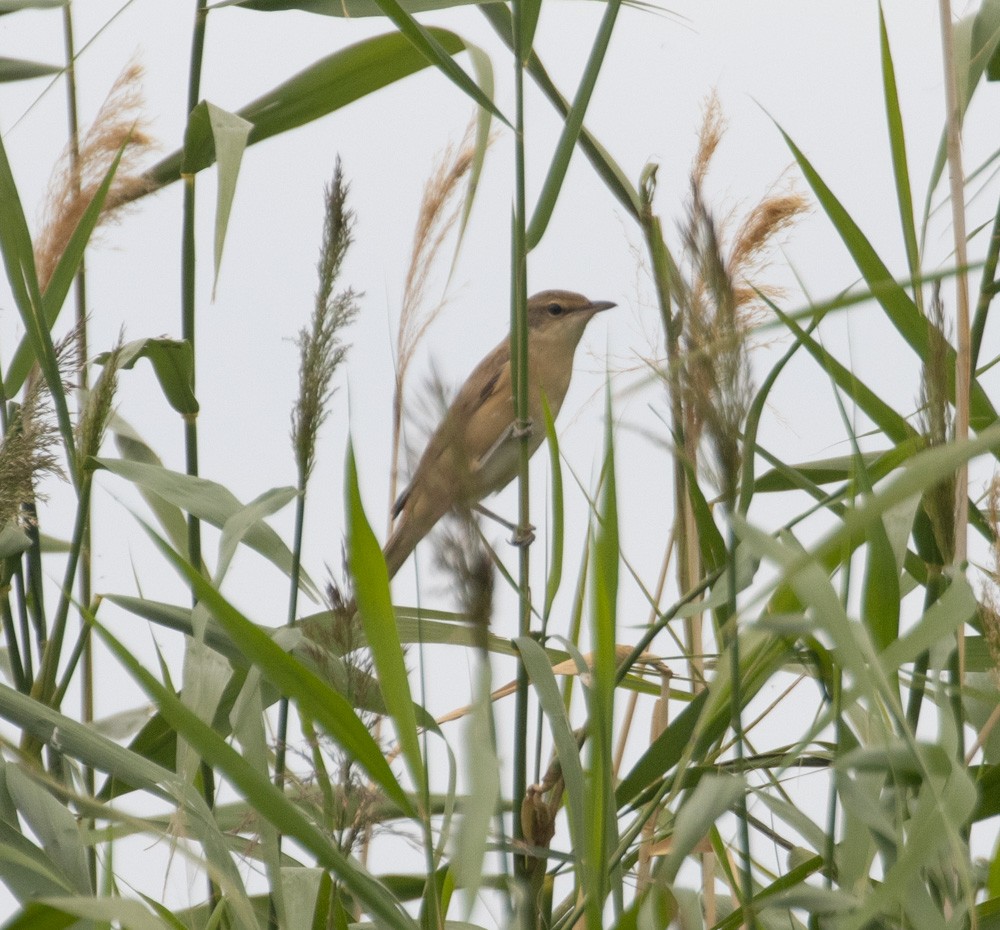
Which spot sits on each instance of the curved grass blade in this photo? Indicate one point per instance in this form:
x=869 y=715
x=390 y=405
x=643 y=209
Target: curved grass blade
x=371 y=585
x=132 y=447
x=537 y=665
x=606 y=167
x=572 y=126
x=209 y=501
x=54 y=298
x=602 y=836
x=328 y=708
x=900 y=309
x=348 y=9
x=895 y=426
x=255 y=786
x=748 y=485
x=173 y=364
x=976 y=40
x=556 y=555
x=18 y=69
x=324 y=87
x=227 y=133
x=897 y=144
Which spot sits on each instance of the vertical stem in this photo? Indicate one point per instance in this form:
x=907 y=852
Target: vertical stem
x=987 y=291
x=300 y=510
x=956 y=179
x=188 y=307
x=80 y=290
x=519 y=363
x=46 y=684
x=736 y=710
x=188 y=268
x=282 y=733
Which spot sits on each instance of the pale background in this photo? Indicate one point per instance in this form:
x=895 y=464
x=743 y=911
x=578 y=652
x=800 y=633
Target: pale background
x=811 y=67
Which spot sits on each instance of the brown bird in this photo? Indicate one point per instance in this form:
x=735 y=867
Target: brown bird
x=474 y=451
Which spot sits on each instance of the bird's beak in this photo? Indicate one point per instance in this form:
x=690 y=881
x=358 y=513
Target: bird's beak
x=596 y=306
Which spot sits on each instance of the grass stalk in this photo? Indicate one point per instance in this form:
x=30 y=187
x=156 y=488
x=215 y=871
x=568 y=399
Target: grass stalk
x=188 y=272
x=294 y=577
x=987 y=291
x=80 y=293
x=188 y=313
x=956 y=179
x=45 y=687
x=519 y=372
x=739 y=741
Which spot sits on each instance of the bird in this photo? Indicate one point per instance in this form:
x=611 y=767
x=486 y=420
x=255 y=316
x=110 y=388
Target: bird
x=475 y=449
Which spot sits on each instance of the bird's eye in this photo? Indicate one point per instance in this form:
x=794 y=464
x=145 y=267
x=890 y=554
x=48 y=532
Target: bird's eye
x=554 y=309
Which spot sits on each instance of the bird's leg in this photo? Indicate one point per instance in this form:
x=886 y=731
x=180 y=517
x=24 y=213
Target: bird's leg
x=518 y=538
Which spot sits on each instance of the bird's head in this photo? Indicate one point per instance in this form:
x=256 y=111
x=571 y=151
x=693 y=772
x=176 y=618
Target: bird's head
x=562 y=314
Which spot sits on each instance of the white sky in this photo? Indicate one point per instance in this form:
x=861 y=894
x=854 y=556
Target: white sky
x=812 y=67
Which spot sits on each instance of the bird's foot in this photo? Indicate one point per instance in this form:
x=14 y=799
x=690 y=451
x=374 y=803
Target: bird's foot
x=522 y=428
x=520 y=538
x=523 y=537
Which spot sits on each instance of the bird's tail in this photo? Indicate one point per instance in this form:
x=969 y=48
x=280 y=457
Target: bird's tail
x=415 y=522
x=398 y=547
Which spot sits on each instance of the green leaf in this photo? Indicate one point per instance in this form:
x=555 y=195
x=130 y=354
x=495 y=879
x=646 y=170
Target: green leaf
x=244 y=520
x=976 y=41
x=838 y=468
x=556 y=531
x=925 y=470
x=205 y=676
x=255 y=787
x=884 y=416
x=479 y=808
x=880 y=593
x=897 y=144
x=572 y=127
x=748 y=485
x=326 y=707
x=900 y=309
x=426 y=42
x=37 y=916
x=17 y=69
x=37 y=342
x=713 y=546
x=954 y=608
x=528 y=12
x=106 y=910
x=606 y=167
x=306 y=892
x=710 y=799
x=705 y=719
x=22 y=277
x=322 y=88
x=371 y=586
x=539 y=669
x=13 y=541
x=173 y=363
x=78 y=741
x=134 y=448
x=55 y=826
x=15 y=6
x=348 y=9
x=599 y=808
x=222 y=137
x=208 y=501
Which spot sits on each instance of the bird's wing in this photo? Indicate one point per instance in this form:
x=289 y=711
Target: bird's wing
x=487 y=414
x=476 y=417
